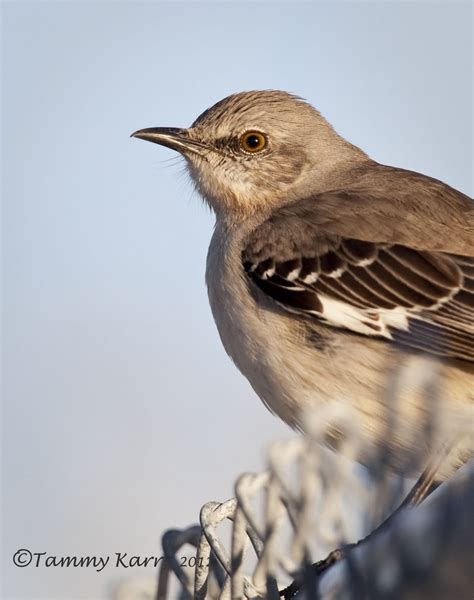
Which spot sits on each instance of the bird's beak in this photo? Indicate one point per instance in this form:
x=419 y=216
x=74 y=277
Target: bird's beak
x=171 y=137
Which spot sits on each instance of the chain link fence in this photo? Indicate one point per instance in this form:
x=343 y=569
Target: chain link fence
x=309 y=501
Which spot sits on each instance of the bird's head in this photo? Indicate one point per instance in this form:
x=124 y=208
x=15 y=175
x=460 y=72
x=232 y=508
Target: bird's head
x=255 y=150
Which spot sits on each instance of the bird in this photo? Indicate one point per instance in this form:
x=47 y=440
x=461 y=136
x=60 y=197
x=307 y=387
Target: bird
x=327 y=271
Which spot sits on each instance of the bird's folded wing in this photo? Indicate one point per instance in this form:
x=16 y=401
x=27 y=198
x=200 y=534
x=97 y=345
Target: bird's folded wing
x=419 y=298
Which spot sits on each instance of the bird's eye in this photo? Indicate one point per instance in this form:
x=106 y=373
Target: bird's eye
x=253 y=142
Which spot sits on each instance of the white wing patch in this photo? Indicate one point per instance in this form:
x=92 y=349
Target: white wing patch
x=337 y=273
x=268 y=273
x=372 y=322
x=311 y=278
x=395 y=317
x=293 y=275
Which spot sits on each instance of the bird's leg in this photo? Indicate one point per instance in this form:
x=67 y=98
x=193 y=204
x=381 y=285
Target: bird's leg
x=421 y=490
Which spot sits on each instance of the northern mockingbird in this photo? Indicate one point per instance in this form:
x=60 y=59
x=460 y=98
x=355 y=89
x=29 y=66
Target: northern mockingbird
x=328 y=270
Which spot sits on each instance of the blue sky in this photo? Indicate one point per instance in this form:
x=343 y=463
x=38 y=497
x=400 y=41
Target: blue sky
x=121 y=412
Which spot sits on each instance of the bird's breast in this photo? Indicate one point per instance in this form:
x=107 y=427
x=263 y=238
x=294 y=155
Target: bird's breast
x=285 y=361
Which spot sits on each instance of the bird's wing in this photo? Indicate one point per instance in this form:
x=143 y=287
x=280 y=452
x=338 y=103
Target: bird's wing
x=367 y=278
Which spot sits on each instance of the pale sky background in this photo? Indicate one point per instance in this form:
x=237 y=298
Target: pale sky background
x=122 y=414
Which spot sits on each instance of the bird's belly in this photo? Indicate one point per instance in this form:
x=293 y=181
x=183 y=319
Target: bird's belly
x=265 y=354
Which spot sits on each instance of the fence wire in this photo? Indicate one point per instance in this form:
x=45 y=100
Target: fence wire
x=302 y=506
